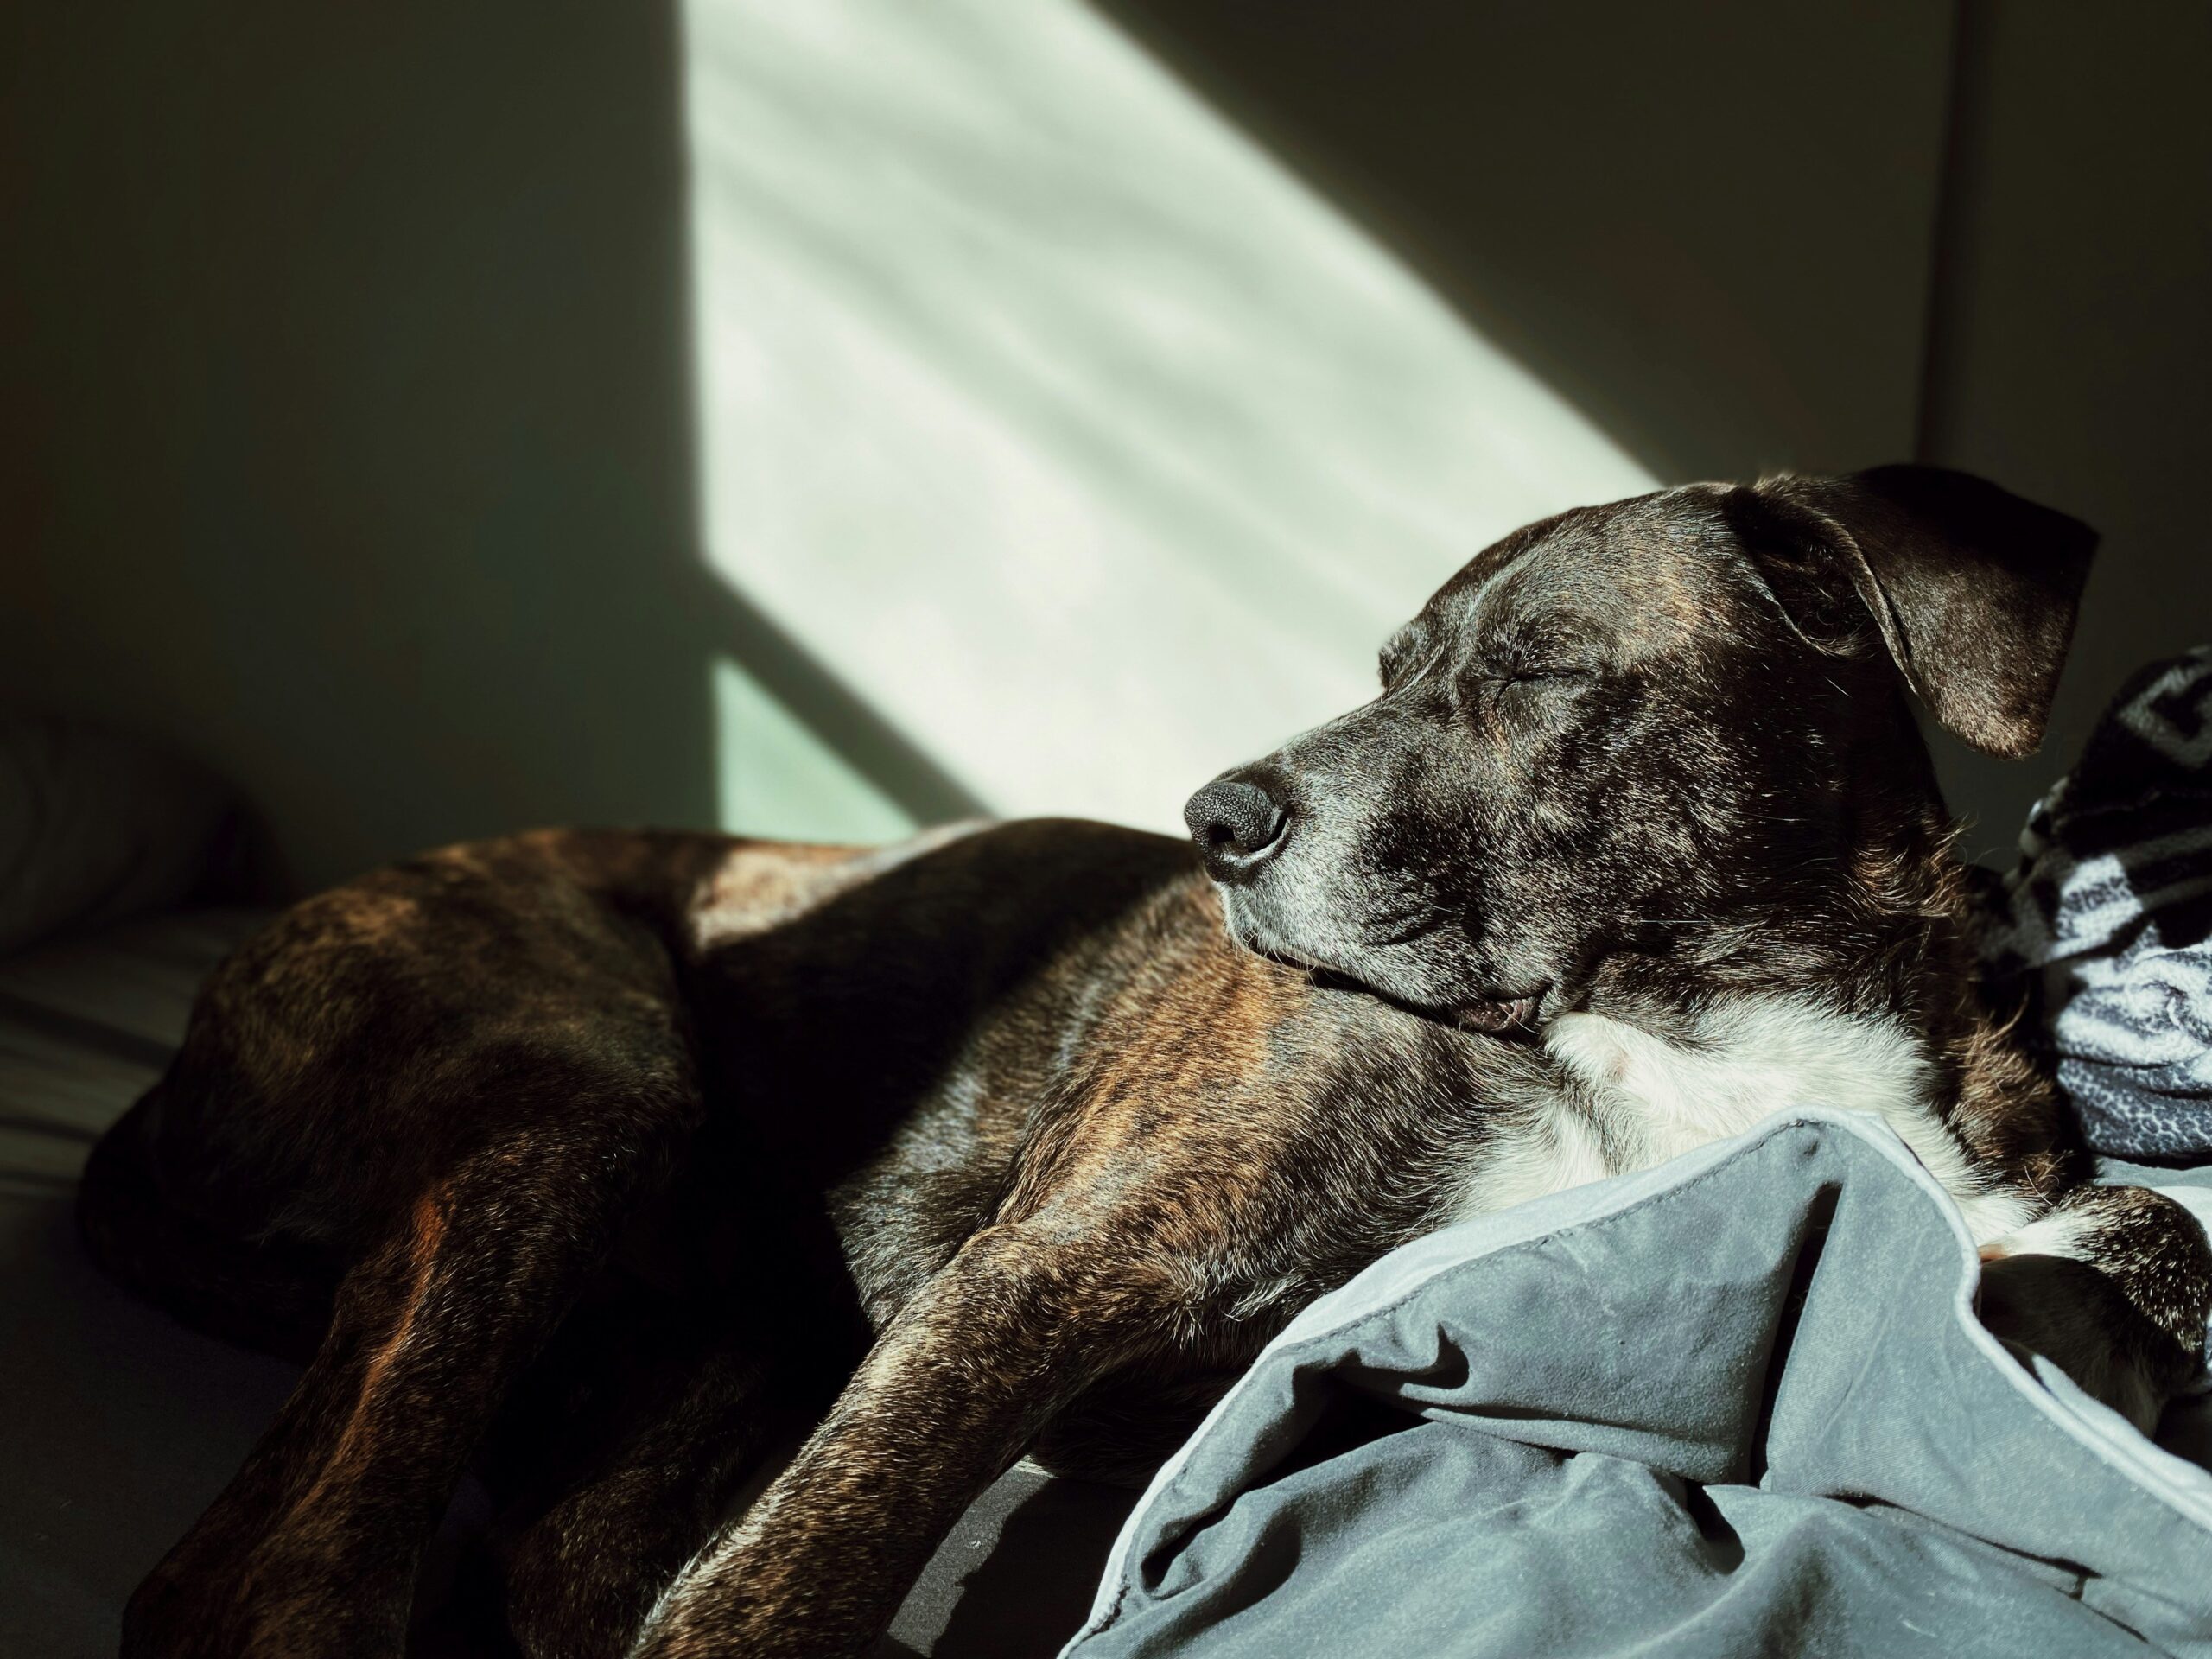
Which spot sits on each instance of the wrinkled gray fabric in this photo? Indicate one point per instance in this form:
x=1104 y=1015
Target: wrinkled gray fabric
x=1737 y=1405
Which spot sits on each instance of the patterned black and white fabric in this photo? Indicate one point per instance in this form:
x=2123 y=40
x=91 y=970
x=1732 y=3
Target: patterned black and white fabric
x=2112 y=906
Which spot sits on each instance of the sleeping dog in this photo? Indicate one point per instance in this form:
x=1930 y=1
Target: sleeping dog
x=591 y=1161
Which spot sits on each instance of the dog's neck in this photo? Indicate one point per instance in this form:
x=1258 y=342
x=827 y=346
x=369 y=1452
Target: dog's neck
x=1899 y=1031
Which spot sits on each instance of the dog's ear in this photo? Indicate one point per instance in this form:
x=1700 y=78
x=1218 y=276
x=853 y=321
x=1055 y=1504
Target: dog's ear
x=1973 y=589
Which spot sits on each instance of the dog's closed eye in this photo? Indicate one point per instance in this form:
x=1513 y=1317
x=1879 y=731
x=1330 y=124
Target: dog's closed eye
x=1521 y=685
x=1538 y=695
x=1542 y=676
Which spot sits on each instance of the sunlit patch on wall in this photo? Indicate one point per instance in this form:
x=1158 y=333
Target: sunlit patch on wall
x=1057 y=419
x=776 y=777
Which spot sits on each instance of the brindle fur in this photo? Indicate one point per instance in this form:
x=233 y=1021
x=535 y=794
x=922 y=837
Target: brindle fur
x=596 y=1159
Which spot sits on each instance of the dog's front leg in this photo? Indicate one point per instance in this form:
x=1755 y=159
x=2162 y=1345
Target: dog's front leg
x=956 y=1387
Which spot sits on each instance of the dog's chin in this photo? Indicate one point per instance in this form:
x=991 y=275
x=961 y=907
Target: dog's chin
x=1494 y=1014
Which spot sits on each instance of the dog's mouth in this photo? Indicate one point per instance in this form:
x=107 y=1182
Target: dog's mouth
x=1495 y=1016
x=1497 y=1013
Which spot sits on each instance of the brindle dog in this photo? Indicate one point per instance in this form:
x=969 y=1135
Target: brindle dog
x=592 y=1159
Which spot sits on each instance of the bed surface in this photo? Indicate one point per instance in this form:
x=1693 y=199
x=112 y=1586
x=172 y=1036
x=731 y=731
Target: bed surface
x=121 y=1425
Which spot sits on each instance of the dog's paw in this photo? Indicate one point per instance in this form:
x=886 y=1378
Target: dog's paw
x=2113 y=1287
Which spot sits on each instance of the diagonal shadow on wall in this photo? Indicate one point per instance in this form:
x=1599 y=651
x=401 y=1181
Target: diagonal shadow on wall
x=1711 y=234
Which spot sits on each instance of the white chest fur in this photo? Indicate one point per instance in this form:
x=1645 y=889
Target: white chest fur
x=1636 y=1099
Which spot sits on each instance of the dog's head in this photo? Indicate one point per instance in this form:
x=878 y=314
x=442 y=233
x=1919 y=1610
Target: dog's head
x=1672 y=730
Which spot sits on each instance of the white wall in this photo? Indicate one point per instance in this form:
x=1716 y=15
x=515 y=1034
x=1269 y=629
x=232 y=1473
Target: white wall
x=2074 y=337
x=1095 y=449
x=818 y=415
x=347 y=385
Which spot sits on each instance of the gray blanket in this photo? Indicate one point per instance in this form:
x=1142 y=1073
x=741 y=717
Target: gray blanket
x=1736 y=1405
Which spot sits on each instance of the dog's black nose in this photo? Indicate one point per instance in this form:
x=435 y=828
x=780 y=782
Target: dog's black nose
x=1236 y=825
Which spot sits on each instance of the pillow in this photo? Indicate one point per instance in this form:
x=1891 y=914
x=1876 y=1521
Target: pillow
x=2108 y=918
x=95 y=826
